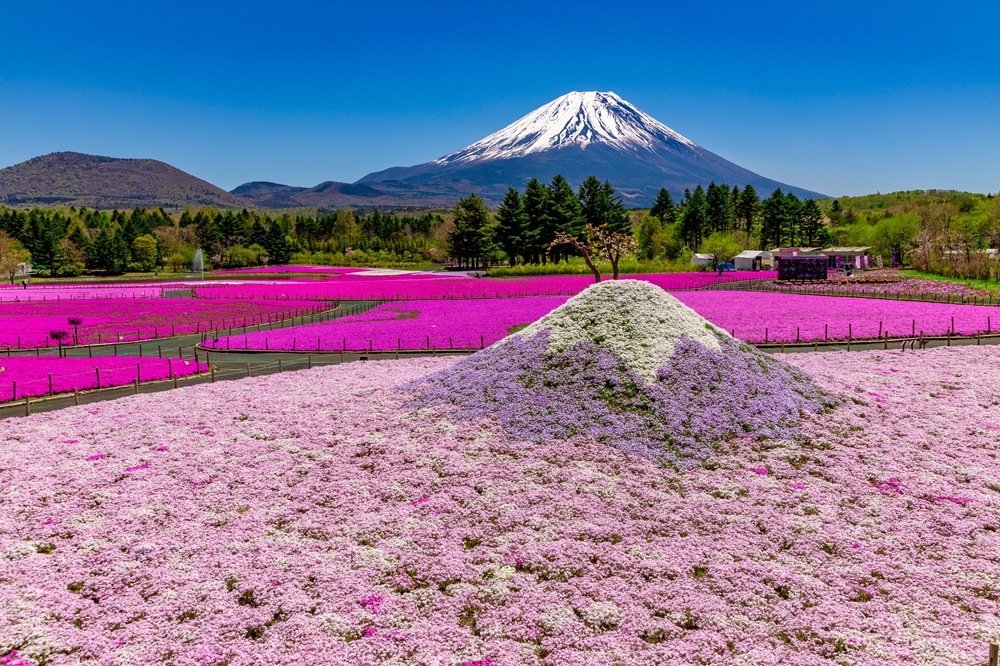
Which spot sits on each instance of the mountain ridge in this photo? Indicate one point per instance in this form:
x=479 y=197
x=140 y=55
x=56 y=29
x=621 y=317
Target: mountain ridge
x=577 y=135
x=78 y=179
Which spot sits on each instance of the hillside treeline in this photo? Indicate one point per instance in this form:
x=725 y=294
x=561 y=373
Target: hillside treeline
x=950 y=233
x=66 y=242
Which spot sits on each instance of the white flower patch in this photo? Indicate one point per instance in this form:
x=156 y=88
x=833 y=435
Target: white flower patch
x=637 y=321
x=557 y=619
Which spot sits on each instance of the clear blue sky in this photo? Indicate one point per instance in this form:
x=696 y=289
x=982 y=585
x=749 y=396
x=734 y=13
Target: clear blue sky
x=842 y=97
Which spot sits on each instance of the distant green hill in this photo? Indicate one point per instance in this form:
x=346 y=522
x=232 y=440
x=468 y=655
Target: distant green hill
x=905 y=201
x=105 y=183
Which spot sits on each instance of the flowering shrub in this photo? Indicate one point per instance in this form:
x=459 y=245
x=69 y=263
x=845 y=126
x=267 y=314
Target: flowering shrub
x=30 y=375
x=626 y=364
x=255 y=521
x=30 y=324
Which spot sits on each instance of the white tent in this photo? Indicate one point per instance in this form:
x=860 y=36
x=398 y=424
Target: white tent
x=702 y=259
x=752 y=260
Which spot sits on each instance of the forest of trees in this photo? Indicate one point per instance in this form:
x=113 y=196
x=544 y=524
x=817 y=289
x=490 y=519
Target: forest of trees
x=65 y=242
x=740 y=216
x=526 y=223
x=939 y=231
x=943 y=232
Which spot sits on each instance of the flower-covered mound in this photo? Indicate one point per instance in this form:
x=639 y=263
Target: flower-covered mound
x=629 y=365
x=310 y=518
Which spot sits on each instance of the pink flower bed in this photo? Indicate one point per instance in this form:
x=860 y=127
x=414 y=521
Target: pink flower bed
x=28 y=325
x=461 y=324
x=407 y=287
x=29 y=376
x=309 y=517
x=63 y=292
x=755 y=316
x=322 y=270
x=890 y=283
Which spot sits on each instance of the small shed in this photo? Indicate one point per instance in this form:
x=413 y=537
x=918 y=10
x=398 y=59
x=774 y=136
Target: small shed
x=849 y=258
x=753 y=260
x=702 y=259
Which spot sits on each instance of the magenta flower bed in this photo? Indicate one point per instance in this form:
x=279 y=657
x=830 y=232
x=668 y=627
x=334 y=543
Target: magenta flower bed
x=755 y=316
x=322 y=270
x=309 y=517
x=406 y=287
x=462 y=324
x=29 y=376
x=751 y=316
x=894 y=284
x=63 y=292
x=28 y=325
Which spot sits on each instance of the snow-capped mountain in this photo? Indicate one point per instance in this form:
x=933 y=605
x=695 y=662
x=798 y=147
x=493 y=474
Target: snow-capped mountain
x=577 y=135
x=575 y=119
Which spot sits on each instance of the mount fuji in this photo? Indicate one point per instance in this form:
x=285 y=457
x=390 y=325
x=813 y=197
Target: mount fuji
x=577 y=135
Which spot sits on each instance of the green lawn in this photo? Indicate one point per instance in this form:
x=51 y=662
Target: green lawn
x=980 y=284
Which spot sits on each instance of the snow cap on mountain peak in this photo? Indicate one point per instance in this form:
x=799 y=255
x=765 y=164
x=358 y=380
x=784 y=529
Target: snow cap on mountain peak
x=575 y=119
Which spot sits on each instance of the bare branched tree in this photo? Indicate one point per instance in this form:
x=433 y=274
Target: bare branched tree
x=584 y=247
x=613 y=245
x=599 y=243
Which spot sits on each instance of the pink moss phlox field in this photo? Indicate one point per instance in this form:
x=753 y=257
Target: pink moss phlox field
x=428 y=286
x=786 y=316
x=320 y=270
x=308 y=518
x=32 y=374
x=906 y=288
x=462 y=324
x=890 y=283
x=117 y=320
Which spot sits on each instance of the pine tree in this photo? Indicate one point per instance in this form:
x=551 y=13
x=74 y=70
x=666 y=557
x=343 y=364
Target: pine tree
x=718 y=211
x=792 y=220
x=811 y=226
x=469 y=241
x=278 y=252
x=258 y=234
x=694 y=221
x=836 y=213
x=747 y=208
x=510 y=226
x=563 y=212
x=601 y=205
x=664 y=208
x=649 y=231
x=773 y=223
x=536 y=197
